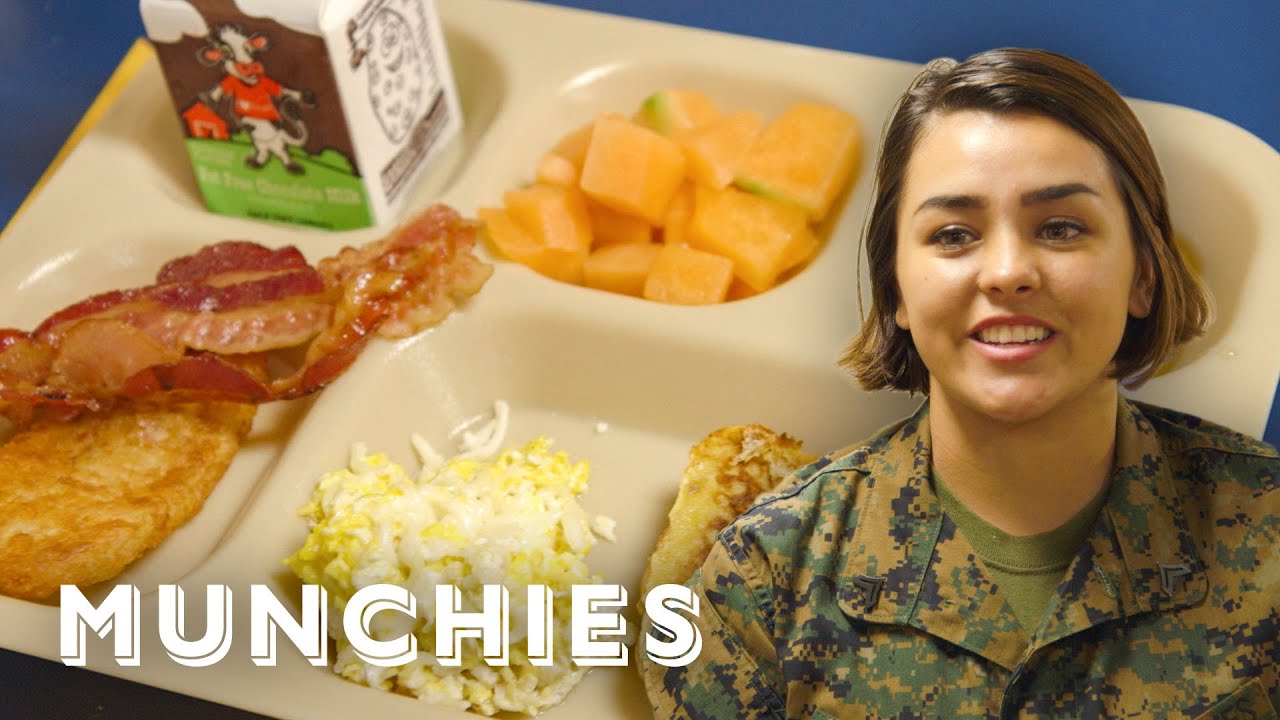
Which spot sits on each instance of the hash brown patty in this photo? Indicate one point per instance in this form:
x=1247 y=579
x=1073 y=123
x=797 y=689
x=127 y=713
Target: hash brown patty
x=80 y=500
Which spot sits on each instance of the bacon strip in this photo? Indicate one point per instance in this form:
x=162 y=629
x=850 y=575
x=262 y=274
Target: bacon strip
x=230 y=256
x=209 y=326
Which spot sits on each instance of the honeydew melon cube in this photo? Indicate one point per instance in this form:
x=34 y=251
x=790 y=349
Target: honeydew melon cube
x=714 y=150
x=621 y=268
x=803 y=157
x=674 y=110
x=762 y=237
x=687 y=276
x=631 y=168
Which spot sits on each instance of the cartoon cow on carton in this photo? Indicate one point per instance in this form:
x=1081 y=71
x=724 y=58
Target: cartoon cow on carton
x=263 y=107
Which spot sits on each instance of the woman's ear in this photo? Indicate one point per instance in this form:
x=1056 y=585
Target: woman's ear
x=1144 y=285
x=900 y=316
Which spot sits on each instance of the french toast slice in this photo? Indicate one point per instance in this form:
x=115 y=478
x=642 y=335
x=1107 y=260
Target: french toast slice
x=727 y=471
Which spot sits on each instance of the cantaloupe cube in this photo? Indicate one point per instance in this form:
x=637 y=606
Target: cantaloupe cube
x=620 y=268
x=675 y=228
x=556 y=217
x=739 y=290
x=573 y=145
x=515 y=243
x=673 y=111
x=556 y=169
x=715 y=149
x=631 y=168
x=610 y=227
x=761 y=236
x=687 y=276
x=805 y=157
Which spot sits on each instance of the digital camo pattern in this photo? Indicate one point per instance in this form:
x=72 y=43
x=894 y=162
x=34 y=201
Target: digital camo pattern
x=846 y=593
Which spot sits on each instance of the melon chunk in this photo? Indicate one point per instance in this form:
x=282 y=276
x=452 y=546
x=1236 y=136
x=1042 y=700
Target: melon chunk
x=803 y=157
x=675 y=229
x=620 y=268
x=556 y=217
x=631 y=169
x=556 y=169
x=687 y=276
x=514 y=243
x=715 y=149
x=673 y=111
x=739 y=290
x=573 y=145
x=610 y=227
x=763 y=238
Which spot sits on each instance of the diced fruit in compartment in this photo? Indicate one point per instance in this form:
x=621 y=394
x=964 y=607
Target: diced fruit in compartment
x=675 y=110
x=610 y=227
x=573 y=146
x=556 y=169
x=803 y=157
x=715 y=149
x=763 y=238
x=687 y=276
x=675 y=229
x=741 y=197
x=631 y=168
x=620 y=268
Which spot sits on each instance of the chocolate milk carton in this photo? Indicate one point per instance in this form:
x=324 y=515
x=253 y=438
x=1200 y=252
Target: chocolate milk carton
x=320 y=112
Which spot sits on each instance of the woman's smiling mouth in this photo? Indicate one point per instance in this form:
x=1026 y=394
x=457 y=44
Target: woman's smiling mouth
x=1012 y=339
x=1013 y=334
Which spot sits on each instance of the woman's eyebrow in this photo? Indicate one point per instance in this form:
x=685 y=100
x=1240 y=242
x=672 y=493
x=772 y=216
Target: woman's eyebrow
x=1056 y=192
x=1031 y=197
x=953 y=202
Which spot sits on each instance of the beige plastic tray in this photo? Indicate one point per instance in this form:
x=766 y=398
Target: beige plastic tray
x=566 y=358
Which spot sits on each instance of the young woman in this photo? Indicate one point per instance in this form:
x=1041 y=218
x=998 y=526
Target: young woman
x=1029 y=543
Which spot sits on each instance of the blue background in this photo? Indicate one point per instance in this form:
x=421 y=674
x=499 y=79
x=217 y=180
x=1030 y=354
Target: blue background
x=1219 y=57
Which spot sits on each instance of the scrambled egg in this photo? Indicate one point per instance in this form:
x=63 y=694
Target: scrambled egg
x=467 y=521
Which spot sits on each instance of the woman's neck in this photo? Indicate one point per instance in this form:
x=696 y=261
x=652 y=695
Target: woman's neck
x=1029 y=477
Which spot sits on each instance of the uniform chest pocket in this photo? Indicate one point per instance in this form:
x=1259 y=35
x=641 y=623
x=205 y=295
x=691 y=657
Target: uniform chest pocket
x=1250 y=702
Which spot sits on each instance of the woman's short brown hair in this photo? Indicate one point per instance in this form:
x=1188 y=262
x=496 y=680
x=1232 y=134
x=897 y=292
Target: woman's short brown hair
x=1013 y=80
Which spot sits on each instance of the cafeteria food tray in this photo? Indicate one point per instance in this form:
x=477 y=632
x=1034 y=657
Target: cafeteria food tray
x=627 y=384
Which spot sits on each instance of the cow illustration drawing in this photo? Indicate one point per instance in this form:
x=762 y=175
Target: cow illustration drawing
x=264 y=108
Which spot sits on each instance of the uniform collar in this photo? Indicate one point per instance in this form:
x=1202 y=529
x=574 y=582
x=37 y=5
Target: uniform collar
x=907 y=565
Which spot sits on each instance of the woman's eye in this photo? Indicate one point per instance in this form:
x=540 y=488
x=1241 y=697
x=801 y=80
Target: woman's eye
x=1061 y=230
x=952 y=237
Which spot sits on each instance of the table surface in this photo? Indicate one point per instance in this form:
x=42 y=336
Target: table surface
x=1220 y=58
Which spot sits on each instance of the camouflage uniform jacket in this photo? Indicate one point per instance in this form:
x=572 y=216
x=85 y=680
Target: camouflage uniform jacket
x=846 y=593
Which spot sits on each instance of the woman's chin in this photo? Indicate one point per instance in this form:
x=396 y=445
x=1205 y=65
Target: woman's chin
x=1011 y=401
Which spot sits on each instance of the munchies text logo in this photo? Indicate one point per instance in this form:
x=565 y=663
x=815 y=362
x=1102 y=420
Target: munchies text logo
x=597 y=628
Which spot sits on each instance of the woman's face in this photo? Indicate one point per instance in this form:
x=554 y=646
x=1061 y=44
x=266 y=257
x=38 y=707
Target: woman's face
x=1015 y=265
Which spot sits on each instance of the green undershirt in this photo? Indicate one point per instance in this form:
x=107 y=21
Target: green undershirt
x=1027 y=568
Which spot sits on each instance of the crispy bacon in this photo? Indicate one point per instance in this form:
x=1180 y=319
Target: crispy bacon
x=230 y=256
x=211 y=324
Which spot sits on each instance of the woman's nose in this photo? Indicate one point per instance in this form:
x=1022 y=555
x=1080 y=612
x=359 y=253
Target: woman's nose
x=1008 y=265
